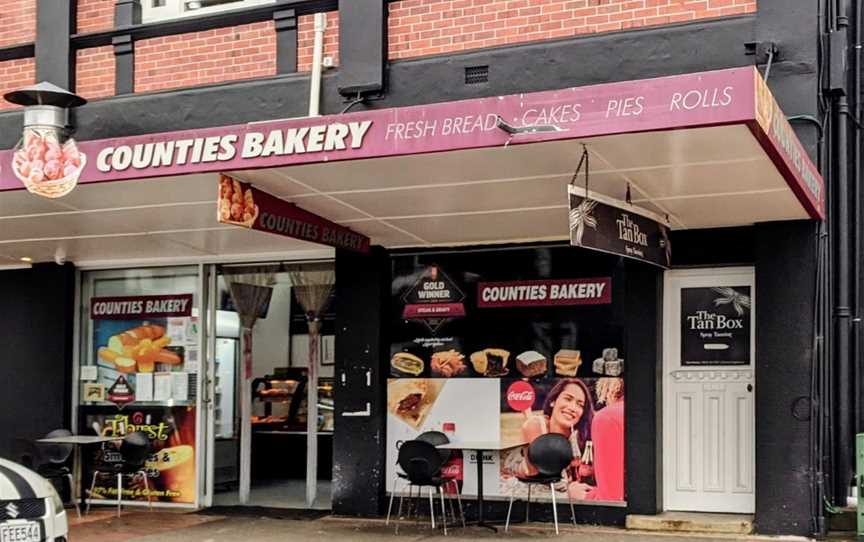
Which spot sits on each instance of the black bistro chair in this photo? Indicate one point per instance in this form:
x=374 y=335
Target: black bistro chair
x=421 y=463
x=135 y=449
x=550 y=454
x=52 y=462
x=435 y=438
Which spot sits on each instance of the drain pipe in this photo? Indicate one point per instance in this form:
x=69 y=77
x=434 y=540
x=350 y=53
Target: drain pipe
x=317 y=61
x=843 y=377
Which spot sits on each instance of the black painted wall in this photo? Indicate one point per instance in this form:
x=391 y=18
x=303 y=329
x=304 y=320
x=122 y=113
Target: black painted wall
x=785 y=293
x=644 y=321
x=36 y=365
x=363 y=283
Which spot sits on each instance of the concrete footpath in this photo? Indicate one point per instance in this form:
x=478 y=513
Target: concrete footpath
x=137 y=526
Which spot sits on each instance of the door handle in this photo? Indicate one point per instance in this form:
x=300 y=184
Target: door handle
x=750 y=387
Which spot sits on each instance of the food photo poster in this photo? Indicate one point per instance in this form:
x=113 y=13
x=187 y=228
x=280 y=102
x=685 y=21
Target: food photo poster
x=487 y=352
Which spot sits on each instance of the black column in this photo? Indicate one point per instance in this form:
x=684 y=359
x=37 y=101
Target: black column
x=55 y=58
x=785 y=292
x=126 y=13
x=285 y=22
x=362 y=287
x=643 y=317
x=35 y=376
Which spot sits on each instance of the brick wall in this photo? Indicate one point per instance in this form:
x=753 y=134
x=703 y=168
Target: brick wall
x=94 y=72
x=15 y=74
x=198 y=58
x=306 y=40
x=17 y=21
x=94 y=15
x=428 y=27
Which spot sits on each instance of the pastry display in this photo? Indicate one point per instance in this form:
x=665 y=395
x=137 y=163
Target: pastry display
x=411 y=399
x=531 y=363
x=567 y=362
x=491 y=362
x=408 y=364
x=447 y=364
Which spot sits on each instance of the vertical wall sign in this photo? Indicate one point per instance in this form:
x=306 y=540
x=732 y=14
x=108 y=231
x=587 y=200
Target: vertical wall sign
x=596 y=223
x=715 y=326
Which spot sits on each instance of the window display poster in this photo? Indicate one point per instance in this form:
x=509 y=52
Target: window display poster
x=715 y=326
x=170 y=467
x=589 y=412
x=510 y=372
x=141 y=335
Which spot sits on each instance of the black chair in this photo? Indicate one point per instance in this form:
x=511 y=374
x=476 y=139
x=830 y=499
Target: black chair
x=421 y=463
x=550 y=454
x=435 y=438
x=134 y=449
x=52 y=460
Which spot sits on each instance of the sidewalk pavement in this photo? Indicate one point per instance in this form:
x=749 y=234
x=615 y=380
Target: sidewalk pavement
x=161 y=526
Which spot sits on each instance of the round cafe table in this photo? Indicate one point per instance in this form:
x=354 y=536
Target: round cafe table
x=79 y=441
x=479 y=447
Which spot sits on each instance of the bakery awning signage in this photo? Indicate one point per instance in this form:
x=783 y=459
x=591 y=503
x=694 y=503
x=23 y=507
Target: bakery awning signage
x=735 y=96
x=597 y=223
x=140 y=307
x=434 y=299
x=241 y=204
x=539 y=293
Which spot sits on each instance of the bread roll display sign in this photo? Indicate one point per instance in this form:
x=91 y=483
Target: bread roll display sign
x=137 y=337
x=241 y=204
x=47 y=166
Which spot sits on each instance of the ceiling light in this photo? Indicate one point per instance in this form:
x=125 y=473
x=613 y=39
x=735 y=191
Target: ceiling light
x=193 y=4
x=26 y=259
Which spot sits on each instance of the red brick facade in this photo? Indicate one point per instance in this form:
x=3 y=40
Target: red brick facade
x=15 y=74
x=95 y=15
x=306 y=40
x=18 y=21
x=199 y=58
x=430 y=27
x=94 y=72
x=416 y=28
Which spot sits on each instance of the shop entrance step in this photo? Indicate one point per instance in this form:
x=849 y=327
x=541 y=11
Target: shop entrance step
x=692 y=522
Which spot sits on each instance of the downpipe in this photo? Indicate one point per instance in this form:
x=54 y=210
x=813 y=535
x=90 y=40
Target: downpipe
x=317 y=62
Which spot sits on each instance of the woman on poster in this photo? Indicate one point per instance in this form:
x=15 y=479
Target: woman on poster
x=569 y=411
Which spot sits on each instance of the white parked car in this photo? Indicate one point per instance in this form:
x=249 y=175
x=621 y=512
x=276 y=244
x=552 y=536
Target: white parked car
x=30 y=509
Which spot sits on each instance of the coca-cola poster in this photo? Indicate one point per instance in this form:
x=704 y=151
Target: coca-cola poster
x=716 y=325
x=589 y=412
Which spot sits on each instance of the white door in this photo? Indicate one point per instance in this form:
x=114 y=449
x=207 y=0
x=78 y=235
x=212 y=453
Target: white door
x=708 y=390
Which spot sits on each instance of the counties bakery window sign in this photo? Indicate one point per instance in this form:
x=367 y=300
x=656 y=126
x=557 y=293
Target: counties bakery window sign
x=715 y=326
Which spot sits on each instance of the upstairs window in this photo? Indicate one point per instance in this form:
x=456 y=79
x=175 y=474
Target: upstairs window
x=163 y=10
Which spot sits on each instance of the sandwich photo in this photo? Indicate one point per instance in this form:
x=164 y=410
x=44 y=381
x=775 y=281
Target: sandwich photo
x=567 y=362
x=404 y=363
x=411 y=399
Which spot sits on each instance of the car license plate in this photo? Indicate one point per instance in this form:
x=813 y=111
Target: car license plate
x=26 y=531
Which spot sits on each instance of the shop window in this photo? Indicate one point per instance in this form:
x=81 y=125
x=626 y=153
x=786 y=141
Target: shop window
x=163 y=10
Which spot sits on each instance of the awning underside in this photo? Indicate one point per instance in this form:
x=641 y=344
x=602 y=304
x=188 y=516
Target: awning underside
x=699 y=178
